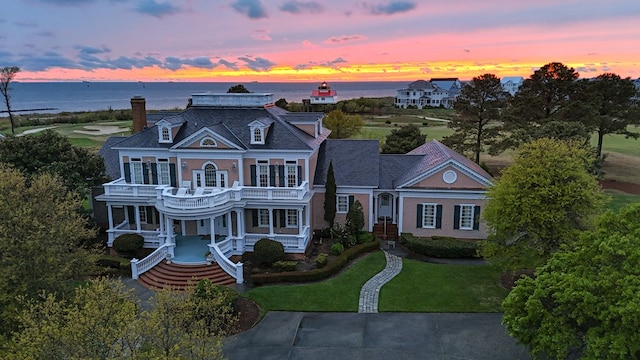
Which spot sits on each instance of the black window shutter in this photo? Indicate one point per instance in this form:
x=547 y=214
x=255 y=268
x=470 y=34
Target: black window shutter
x=145 y=173
x=283 y=219
x=476 y=218
x=154 y=173
x=351 y=199
x=438 y=216
x=299 y=175
x=419 y=216
x=272 y=175
x=127 y=172
x=132 y=214
x=281 y=175
x=252 y=168
x=254 y=217
x=172 y=174
x=456 y=217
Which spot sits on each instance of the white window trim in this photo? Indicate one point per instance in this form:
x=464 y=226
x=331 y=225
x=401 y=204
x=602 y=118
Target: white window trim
x=472 y=217
x=133 y=164
x=435 y=215
x=253 y=135
x=161 y=138
x=260 y=164
x=160 y=164
x=260 y=212
x=338 y=197
x=202 y=144
x=288 y=167
x=294 y=223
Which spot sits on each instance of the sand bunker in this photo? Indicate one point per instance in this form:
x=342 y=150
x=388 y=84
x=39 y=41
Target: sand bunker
x=97 y=130
x=32 y=131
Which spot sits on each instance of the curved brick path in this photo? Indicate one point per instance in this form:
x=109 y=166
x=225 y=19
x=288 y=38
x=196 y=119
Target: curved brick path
x=371 y=290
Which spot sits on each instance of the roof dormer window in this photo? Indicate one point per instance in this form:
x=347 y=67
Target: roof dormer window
x=257 y=135
x=165 y=134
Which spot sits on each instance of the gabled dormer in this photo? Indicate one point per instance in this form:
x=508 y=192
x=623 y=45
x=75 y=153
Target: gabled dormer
x=167 y=130
x=259 y=129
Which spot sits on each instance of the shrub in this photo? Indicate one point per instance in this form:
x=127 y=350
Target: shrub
x=267 y=251
x=321 y=260
x=128 y=244
x=365 y=237
x=284 y=265
x=337 y=249
x=319 y=273
x=442 y=246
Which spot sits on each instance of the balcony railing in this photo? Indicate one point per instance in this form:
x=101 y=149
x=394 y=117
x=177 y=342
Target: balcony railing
x=171 y=197
x=292 y=243
x=121 y=188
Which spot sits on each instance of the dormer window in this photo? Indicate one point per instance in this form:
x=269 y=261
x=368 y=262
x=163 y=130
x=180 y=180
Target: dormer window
x=257 y=136
x=208 y=142
x=165 y=134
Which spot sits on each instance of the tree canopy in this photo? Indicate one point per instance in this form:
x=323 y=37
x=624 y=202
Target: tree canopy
x=7 y=74
x=50 y=152
x=541 y=201
x=238 y=89
x=478 y=110
x=584 y=302
x=102 y=321
x=41 y=233
x=342 y=126
x=403 y=139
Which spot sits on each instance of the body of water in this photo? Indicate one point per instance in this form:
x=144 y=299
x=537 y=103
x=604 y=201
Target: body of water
x=92 y=96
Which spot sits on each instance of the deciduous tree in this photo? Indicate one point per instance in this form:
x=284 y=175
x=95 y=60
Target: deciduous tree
x=403 y=140
x=41 y=233
x=584 y=302
x=7 y=74
x=541 y=201
x=342 y=126
x=238 y=89
x=478 y=110
x=50 y=152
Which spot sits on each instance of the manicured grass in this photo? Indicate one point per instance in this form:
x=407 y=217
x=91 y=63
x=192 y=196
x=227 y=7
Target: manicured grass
x=428 y=287
x=620 y=199
x=337 y=294
x=618 y=143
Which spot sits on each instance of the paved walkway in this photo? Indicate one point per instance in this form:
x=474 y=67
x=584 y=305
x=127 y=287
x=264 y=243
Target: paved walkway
x=370 y=292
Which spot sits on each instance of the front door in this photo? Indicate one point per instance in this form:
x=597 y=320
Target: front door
x=385 y=207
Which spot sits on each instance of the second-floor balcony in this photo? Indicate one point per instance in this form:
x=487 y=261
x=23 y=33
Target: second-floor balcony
x=201 y=198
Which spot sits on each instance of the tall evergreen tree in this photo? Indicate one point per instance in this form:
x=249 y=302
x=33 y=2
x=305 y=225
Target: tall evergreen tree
x=478 y=105
x=330 y=196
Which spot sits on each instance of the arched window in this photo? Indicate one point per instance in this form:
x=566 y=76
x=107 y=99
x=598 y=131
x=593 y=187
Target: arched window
x=208 y=142
x=210 y=175
x=257 y=136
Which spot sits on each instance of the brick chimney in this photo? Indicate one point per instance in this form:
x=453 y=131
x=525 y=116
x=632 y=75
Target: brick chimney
x=139 y=113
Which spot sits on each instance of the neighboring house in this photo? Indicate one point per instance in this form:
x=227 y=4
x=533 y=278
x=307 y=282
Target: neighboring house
x=636 y=82
x=323 y=95
x=511 y=84
x=233 y=169
x=451 y=85
x=423 y=94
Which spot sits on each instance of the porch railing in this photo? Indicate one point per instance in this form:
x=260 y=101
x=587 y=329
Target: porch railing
x=235 y=270
x=294 y=243
x=140 y=266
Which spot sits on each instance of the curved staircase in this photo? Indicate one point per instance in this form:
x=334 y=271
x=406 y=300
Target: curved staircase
x=180 y=276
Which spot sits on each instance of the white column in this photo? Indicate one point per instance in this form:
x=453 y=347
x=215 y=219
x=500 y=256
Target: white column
x=212 y=225
x=183 y=228
x=137 y=218
x=110 y=216
x=162 y=236
x=299 y=220
x=270 y=222
x=169 y=228
x=229 y=225
x=400 y=214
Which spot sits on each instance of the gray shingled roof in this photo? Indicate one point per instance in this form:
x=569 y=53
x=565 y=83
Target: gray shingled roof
x=232 y=123
x=393 y=166
x=110 y=156
x=355 y=162
x=434 y=153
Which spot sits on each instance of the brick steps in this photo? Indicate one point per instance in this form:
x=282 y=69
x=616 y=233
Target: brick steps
x=392 y=231
x=180 y=276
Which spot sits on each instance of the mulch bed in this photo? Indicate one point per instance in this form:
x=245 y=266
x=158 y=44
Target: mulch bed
x=627 y=187
x=248 y=314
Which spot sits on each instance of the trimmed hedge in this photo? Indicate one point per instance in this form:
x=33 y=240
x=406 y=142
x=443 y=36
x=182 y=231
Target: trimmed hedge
x=128 y=244
x=284 y=265
x=441 y=246
x=317 y=274
x=267 y=251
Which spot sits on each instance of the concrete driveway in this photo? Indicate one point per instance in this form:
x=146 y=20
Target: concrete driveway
x=296 y=335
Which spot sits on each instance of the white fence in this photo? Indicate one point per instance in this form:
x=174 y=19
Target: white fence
x=140 y=266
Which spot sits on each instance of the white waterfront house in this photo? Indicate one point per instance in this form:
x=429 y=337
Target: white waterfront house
x=422 y=94
x=511 y=84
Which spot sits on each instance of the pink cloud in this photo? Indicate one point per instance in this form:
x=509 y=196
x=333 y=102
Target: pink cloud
x=344 y=39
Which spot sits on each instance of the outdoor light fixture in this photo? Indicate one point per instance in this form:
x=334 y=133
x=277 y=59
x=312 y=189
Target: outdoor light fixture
x=233 y=166
x=184 y=166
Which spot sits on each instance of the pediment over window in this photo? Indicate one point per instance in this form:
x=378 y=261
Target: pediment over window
x=259 y=129
x=206 y=138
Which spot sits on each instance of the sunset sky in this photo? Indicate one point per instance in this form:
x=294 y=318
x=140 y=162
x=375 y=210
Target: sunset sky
x=333 y=40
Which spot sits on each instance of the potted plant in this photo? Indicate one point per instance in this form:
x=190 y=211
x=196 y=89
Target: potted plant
x=168 y=257
x=209 y=256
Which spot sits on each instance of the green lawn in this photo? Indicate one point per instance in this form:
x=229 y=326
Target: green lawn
x=420 y=287
x=428 y=287
x=618 y=143
x=337 y=294
x=620 y=199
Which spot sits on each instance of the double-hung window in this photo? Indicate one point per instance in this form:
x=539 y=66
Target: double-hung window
x=292 y=218
x=291 y=170
x=342 y=203
x=263 y=217
x=466 y=217
x=429 y=216
x=136 y=171
x=164 y=175
x=263 y=173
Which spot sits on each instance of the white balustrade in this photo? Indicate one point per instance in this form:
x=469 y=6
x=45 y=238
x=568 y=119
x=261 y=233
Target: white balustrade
x=120 y=187
x=235 y=270
x=140 y=266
